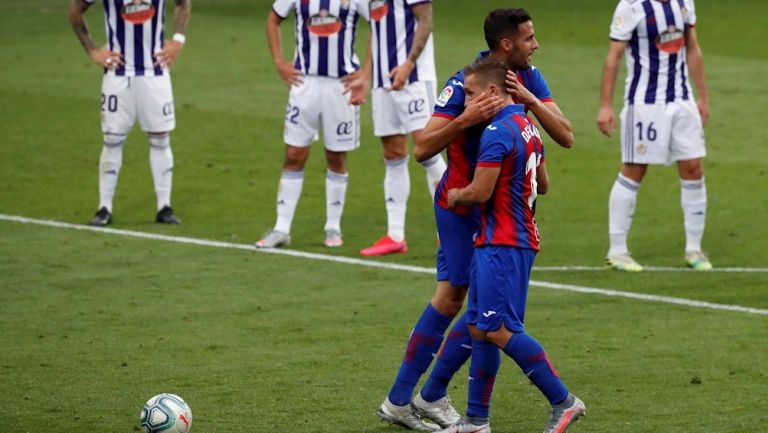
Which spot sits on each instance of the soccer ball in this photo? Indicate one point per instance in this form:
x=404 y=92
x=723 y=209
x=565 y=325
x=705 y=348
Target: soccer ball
x=166 y=413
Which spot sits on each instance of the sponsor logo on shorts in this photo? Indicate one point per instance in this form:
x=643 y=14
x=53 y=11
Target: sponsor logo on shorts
x=416 y=106
x=168 y=109
x=324 y=24
x=345 y=128
x=445 y=96
x=137 y=11
x=489 y=313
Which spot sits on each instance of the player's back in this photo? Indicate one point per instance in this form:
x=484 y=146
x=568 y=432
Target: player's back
x=325 y=35
x=513 y=143
x=135 y=30
x=657 y=71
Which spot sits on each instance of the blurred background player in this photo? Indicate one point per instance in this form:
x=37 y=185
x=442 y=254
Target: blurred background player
x=136 y=85
x=457 y=125
x=404 y=83
x=660 y=122
x=325 y=35
x=510 y=173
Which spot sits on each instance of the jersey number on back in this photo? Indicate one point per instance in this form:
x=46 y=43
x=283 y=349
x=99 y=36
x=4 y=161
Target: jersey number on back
x=530 y=167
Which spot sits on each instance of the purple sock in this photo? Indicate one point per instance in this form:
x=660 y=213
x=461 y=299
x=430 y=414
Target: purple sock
x=455 y=352
x=425 y=341
x=530 y=356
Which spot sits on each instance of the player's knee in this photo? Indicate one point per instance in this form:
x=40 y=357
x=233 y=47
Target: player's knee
x=499 y=337
x=336 y=161
x=114 y=140
x=160 y=141
x=477 y=334
x=692 y=171
x=295 y=157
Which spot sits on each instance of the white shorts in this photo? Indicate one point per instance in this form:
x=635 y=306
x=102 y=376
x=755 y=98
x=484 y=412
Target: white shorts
x=126 y=99
x=403 y=111
x=661 y=133
x=320 y=101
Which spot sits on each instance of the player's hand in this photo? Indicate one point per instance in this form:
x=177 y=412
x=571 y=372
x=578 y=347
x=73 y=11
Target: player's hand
x=606 y=121
x=399 y=75
x=481 y=109
x=288 y=73
x=703 y=105
x=357 y=84
x=519 y=93
x=167 y=56
x=453 y=194
x=106 y=59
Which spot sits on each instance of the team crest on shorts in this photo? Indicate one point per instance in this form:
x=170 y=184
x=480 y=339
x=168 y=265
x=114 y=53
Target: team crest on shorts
x=671 y=40
x=138 y=11
x=445 y=96
x=640 y=149
x=379 y=9
x=324 y=24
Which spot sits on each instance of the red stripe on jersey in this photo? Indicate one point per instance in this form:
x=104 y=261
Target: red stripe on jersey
x=488 y=164
x=458 y=174
x=443 y=115
x=531 y=147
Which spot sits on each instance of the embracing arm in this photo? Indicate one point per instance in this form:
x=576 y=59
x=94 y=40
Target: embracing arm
x=542 y=179
x=477 y=192
x=554 y=122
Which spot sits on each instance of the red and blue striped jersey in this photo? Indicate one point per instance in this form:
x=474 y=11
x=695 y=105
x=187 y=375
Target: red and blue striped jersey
x=135 y=29
x=325 y=35
x=462 y=152
x=513 y=143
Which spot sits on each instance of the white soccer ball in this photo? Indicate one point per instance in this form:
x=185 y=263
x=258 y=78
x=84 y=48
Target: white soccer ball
x=166 y=413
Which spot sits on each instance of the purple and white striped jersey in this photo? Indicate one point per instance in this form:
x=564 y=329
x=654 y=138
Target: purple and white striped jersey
x=325 y=35
x=657 y=71
x=393 y=26
x=134 y=29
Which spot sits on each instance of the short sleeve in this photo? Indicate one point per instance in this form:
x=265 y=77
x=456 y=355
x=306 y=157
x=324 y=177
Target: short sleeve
x=450 y=103
x=689 y=12
x=493 y=148
x=625 y=19
x=533 y=80
x=283 y=7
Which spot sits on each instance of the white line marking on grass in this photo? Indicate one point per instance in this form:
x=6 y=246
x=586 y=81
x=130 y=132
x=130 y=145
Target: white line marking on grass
x=577 y=268
x=380 y=265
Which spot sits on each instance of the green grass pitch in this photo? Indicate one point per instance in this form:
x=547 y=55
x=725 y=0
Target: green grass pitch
x=93 y=324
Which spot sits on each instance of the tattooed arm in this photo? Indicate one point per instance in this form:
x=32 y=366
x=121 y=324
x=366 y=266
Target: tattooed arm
x=101 y=56
x=400 y=74
x=171 y=49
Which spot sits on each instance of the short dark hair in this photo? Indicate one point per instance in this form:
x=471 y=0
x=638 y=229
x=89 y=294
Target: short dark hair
x=501 y=23
x=489 y=69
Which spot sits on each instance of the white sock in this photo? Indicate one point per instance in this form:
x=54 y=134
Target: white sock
x=161 y=162
x=693 y=198
x=435 y=168
x=288 y=194
x=397 y=188
x=335 y=193
x=621 y=210
x=109 y=168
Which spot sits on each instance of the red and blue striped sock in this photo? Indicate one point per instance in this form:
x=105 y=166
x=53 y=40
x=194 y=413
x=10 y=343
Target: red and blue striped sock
x=455 y=352
x=533 y=360
x=483 y=368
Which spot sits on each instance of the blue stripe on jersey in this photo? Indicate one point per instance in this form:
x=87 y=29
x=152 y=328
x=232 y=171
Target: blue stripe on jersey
x=653 y=52
x=138 y=48
x=377 y=30
x=410 y=30
x=342 y=71
x=305 y=35
x=322 y=46
x=634 y=49
x=391 y=38
x=683 y=79
x=120 y=24
x=670 y=17
x=155 y=19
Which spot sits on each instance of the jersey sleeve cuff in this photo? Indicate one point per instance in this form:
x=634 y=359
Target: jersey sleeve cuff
x=547 y=99
x=617 y=39
x=273 y=10
x=444 y=116
x=488 y=164
x=418 y=2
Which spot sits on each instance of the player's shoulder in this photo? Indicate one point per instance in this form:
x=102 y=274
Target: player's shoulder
x=454 y=86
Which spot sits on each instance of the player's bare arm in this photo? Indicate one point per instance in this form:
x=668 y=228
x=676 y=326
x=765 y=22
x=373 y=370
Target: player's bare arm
x=548 y=113
x=542 y=178
x=171 y=49
x=359 y=82
x=606 y=119
x=440 y=132
x=400 y=73
x=696 y=68
x=285 y=69
x=477 y=192
x=101 y=56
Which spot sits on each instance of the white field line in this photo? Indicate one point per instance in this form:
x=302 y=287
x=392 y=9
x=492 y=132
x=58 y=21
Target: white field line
x=380 y=265
x=576 y=268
